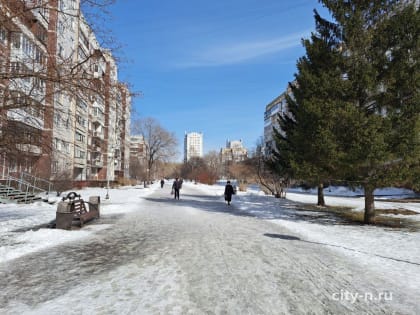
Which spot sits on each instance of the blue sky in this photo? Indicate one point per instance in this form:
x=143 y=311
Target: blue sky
x=210 y=66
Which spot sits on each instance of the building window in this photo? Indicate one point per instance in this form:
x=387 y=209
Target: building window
x=79 y=154
x=80 y=137
x=57 y=119
x=38 y=55
x=28 y=46
x=61 y=5
x=43 y=9
x=82 y=54
x=60 y=27
x=84 y=39
x=67 y=123
x=60 y=50
x=81 y=121
x=66 y=147
x=15 y=67
x=81 y=104
x=54 y=167
x=3 y=35
x=16 y=40
x=57 y=144
x=39 y=84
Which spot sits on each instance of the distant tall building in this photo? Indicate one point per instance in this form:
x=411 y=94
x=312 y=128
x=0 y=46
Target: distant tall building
x=138 y=157
x=138 y=148
x=234 y=152
x=193 y=145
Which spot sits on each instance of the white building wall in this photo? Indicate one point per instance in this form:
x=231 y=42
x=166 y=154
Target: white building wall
x=193 y=145
x=65 y=124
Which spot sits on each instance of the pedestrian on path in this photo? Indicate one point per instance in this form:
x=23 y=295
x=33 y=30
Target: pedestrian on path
x=229 y=192
x=176 y=186
x=162 y=182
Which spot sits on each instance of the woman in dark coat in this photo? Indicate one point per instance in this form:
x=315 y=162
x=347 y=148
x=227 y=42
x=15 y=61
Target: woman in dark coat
x=229 y=192
x=176 y=186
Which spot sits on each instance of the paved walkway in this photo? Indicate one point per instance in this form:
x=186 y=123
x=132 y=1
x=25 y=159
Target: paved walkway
x=192 y=256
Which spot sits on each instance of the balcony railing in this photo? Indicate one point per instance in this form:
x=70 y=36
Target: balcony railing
x=98 y=163
x=98 y=134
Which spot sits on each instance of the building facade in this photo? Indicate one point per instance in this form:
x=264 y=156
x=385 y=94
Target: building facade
x=234 y=152
x=59 y=91
x=138 y=158
x=276 y=107
x=193 y=145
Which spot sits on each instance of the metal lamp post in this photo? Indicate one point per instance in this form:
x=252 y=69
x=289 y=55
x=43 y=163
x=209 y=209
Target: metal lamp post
x=107 y=174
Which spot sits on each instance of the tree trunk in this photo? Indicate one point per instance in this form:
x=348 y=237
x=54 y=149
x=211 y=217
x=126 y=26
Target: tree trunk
x=321 y=200
x=369 y=205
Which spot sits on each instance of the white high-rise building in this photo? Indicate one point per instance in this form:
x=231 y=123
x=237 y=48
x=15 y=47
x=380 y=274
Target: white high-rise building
x=193 y=145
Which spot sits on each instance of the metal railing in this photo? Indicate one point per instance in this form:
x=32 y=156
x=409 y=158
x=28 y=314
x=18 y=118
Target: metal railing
x=25 y=183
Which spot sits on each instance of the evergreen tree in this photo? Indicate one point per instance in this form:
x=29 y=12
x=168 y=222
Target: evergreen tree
x=380 y=131
x=307 y=140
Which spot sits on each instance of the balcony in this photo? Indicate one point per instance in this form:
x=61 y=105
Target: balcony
x=29 y=149
x=98 y=134
x=98 y=118
x=97 y=163
x=79 y=161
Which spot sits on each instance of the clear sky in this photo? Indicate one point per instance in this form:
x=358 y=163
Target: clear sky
x=210 y=66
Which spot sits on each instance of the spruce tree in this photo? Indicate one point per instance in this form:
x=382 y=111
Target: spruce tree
x=379 y=133
x=306 y=142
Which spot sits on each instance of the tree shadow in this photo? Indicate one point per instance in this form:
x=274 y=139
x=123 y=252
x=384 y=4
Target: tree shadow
x=283 y=236
x=255 y=206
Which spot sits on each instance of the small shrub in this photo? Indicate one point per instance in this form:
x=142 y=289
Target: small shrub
x=243 y=187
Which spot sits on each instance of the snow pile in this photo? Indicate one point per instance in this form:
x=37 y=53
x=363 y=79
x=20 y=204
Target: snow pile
x=23 y=228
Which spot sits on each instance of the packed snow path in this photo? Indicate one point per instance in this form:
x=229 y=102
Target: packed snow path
x=193 y=256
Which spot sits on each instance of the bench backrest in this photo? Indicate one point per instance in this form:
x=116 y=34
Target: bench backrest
x=78 y=206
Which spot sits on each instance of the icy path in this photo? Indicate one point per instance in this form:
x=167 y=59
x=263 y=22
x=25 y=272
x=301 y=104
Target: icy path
x=192 y=256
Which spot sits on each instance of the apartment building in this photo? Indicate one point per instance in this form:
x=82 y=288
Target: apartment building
x=193 y=145
x=60 y=95
x=272 y=110
x=138 y=157
x=233 y=152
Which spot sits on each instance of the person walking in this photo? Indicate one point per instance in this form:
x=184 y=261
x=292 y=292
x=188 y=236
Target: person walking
x=176 y=186
x=161 y=183
x=229 y=191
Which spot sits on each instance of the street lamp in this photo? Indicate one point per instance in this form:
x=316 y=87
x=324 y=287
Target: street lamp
x=108 y=172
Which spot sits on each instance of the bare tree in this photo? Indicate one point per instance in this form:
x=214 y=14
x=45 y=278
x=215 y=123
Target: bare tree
x=62 y=181
x=268 y=174
x=160 y=143
x=243 y=172
x=214 y=164
x=137 y=169
x=50 y=58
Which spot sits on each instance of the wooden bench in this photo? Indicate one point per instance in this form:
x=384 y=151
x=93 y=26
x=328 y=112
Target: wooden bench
x=73 y=207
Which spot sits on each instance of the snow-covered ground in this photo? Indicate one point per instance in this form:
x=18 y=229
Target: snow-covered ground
x=23 y=227
x=393 y=253
x=396 y=251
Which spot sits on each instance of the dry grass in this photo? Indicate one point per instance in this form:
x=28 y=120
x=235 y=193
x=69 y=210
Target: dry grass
x=382 y=217
x=395 y=211
x=243 y=187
